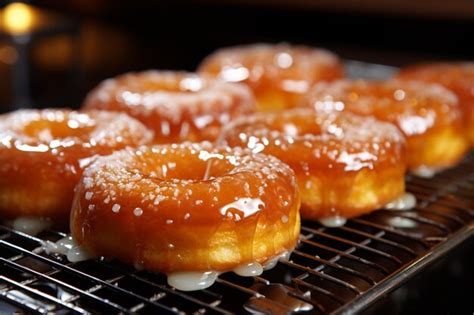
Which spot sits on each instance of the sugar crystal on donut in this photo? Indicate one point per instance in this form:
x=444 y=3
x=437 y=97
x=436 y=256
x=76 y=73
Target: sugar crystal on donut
x=456 y=76
x=178 y=106
x=216 y=210
x=43 y=152
x=279 y=75
x=428 y=115
x=345 y=165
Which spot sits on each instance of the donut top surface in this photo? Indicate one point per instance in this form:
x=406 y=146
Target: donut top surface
x=286 y=67
x=174 y=104
x=458 y=77
x=415 y=107
x=65 y=136
x=189 y=183
x=319 y=140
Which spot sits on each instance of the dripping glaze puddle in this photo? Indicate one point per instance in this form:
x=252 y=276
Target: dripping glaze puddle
x=426 y=172
x=68 y=247
x=192 y=280
x=183 y=281
x=406 y=201
x=335 y=221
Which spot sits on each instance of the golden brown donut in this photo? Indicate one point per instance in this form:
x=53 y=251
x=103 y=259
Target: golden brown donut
x=188 y=210
x=458 y=77
x=177 y=106
x=345 y=165
x=278 y=74
x=428 y=115
x=42 y=153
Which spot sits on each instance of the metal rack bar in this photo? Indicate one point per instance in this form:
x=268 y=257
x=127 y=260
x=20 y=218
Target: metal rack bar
x=354 y=244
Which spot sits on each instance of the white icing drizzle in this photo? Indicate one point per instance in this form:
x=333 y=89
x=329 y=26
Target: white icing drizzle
x=191 y=281
x=400 y=222
x=272 y=262
x=78 y=253
x=406 y=201
x=62 y=246
x=284 y=256
x=334 y=221
x=31 y=225
x=425 y=172
x=67 y=246
x=249 y=270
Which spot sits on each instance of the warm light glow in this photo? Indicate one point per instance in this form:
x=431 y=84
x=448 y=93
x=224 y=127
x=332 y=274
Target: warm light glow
x=8 y=54
x=17 y=17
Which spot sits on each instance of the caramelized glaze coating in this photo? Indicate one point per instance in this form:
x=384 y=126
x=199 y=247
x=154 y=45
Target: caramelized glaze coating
x=345 y=165
x=187 y=207
x=177 y=106
x=278 y=74
x=42 y=153
x=458 y=77
x=428 y=115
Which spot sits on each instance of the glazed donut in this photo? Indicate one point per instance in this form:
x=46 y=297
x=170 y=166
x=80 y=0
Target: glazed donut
x=345 y=165
x=427 y=114
x=188 y=210
x=458 y=77
x=42 y=153
x=177 y=106
x=278 y=74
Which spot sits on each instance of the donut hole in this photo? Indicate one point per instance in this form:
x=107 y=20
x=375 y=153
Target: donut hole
x=199 y=166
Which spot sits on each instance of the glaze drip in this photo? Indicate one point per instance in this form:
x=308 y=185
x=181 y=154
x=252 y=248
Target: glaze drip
x=331 y=222
x=249 y=270
x=68 y=247
x=425 y=172
x=192 y=281
x=406 y=201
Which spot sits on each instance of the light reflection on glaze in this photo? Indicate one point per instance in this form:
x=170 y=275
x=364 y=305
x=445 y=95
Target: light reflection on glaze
x=242 y=208
x=31 y=148
x=42 y=153
x=429 y=115
x=278 y=74
x=456 y=76
x=356 y=161
x=203 y=198
x=177 y=106
x=341 y=160
x=416 y=125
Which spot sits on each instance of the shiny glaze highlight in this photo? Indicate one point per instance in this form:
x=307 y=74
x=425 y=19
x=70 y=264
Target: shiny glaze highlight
x=345 y=164
x=43 y=152
x=458 y=77
x=428 y=115
x=202 y=209
x=279 y=75
x=177 y=106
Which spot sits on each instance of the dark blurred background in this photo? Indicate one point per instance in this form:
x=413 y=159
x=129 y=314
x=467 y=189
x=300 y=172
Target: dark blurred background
x=53 y=51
